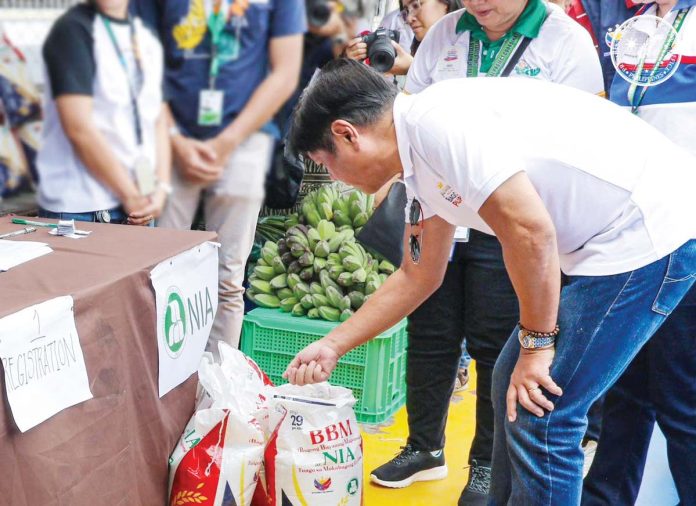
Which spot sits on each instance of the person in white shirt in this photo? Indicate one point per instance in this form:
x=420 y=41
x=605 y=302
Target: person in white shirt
x=503 y=157
x=105 y=154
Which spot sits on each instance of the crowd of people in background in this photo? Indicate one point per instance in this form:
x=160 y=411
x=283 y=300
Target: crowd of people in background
x=155 y=110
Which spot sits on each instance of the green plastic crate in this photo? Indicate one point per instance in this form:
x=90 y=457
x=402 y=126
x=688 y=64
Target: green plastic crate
x=375 y=371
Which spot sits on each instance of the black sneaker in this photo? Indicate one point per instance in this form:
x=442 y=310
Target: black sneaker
x=476 y=491
x=410 y=466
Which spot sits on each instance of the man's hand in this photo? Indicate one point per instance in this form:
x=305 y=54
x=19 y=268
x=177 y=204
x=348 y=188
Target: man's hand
x=223 y=145
x=134 y=203
x=149 y=211
x=314 y=364
x=197 y=161
x=532 y=372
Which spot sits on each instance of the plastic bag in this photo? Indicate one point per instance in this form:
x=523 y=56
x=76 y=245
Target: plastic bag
x=219 y=456
x=314 y=456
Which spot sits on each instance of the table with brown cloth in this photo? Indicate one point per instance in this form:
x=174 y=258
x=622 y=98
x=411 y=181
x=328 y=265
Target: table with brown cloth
x=112 y=449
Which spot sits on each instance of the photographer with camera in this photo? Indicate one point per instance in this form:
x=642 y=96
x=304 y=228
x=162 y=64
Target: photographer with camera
x=382 y=49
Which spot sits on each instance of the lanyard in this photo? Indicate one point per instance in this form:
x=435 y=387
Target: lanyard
x=634 y=100
x=501 y=59
x=133 y=88
x=216 y=26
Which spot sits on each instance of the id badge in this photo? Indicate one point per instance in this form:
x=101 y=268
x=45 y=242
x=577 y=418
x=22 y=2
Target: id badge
x=450 y=64
x=210 y=107
x=144 y=176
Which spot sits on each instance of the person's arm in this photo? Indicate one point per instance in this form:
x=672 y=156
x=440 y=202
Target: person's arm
x=285 y=61
x=75 y=113
x=402 y=293
x=524 y=228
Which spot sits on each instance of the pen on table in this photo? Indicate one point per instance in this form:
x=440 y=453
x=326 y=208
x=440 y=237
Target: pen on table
x=27 y=230
x=22 y=221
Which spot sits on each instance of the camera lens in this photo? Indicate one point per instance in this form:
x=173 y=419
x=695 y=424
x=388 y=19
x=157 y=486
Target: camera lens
x=382 y=54
x=318 y=13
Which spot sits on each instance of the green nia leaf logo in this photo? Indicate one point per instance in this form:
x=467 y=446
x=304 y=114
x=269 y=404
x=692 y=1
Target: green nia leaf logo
x=174 y=323
x=353 y=486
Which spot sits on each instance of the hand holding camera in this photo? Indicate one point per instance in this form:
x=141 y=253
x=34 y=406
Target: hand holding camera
x=376 y=46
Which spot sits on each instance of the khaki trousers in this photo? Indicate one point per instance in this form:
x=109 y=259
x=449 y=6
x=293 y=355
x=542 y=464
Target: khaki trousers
x=231 y=208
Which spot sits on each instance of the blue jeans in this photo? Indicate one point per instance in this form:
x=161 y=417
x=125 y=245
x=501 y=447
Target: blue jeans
x=604 y=321
x=118 y=216
x=659 y=385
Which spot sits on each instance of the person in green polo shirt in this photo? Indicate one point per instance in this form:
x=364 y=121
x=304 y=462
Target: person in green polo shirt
x=526 y=39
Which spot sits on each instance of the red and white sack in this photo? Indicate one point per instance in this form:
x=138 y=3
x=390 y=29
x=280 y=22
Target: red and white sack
x=219 y=456
x=314 y=457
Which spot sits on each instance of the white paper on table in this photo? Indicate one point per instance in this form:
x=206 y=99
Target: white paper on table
x=43 y=362
x=14 y=253
x=186 y=297
x=85 y=233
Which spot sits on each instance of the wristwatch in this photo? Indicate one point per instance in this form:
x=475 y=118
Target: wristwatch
x=532 y=341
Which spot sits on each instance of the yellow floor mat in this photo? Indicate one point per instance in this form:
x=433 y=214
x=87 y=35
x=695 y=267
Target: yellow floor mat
x=382 y=442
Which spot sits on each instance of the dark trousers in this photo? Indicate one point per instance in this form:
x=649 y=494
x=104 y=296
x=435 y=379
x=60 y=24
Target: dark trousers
x=476 y=301
x=659 y=385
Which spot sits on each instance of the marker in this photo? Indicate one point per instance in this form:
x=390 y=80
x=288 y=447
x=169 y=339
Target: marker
x=20 y=221
x=27 y=230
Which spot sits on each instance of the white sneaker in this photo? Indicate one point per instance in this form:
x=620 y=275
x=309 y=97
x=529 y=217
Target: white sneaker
x=462 y=380
x=589 y=449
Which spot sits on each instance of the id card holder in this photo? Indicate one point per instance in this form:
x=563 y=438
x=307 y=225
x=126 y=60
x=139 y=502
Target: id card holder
x=210 y=107
x=145 y=176
x=450 y=64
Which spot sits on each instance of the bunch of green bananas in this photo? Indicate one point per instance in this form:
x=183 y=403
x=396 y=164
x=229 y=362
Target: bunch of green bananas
x=318 y=269
x=344 y=210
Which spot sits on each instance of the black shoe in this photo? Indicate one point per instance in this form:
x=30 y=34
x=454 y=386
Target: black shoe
x=410 y=466
x=476 y=491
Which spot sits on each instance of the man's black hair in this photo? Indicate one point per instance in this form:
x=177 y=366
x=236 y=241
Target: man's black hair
x=344 y=89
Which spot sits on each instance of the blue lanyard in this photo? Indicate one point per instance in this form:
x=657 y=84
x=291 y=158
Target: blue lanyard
x=133 y=88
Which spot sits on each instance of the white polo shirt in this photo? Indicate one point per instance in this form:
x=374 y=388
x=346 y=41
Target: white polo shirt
x=563 y=53
x=615 y=209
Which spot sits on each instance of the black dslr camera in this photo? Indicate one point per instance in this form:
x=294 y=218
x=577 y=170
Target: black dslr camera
x=380 y=50
x=318 y=12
